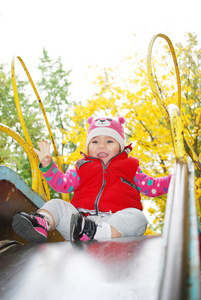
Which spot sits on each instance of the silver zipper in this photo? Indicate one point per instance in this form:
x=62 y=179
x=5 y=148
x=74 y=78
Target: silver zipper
x=133 y=185
x=104 y=181
x=101 y=190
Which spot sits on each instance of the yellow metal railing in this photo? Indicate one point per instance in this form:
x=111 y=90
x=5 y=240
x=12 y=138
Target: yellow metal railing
x=40 y=103
x=37 y=180
x=64 y=196
x=151 y=76
x=39 y=185
x=162 y=107
x=180 y=264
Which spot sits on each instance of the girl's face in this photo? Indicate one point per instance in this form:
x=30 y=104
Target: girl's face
x=103 y=147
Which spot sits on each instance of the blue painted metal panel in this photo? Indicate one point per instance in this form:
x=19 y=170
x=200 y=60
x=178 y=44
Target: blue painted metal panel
x=17 y=196
x=193 y=247
x=11 y=176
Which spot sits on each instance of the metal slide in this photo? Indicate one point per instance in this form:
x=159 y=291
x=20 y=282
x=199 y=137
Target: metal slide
x=17 y=196
x=147 y=267
x=180 y=259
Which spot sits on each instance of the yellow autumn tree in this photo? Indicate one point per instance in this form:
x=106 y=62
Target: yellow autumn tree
x=146 y=127
x=189 y=58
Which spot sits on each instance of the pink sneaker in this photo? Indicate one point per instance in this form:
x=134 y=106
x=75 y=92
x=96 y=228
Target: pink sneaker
x=32 y=227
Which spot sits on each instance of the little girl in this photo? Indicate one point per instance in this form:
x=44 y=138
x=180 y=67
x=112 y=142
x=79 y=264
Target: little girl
x=106 y=185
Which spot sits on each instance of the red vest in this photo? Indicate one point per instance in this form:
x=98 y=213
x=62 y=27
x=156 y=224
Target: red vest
x=107 y=188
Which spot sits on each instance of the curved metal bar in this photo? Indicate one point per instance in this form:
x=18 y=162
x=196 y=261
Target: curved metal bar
x=64 y=196
x=162 y=107
x=33 y=159
x=17 y=102
x=192 y=154
x=177 y=133
x=151 y=77
x=39 y=100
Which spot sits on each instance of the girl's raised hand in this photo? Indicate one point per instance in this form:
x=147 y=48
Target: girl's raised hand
x=44 y=154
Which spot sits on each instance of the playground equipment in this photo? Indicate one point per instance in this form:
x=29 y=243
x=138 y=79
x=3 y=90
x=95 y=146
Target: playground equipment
x=181 y=250
x=154 y=267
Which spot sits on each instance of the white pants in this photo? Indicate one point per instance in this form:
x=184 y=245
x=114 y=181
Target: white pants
x=129 y=221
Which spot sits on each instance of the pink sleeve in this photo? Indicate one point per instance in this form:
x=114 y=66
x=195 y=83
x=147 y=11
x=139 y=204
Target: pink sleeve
x=62 y=183
x=149 y=186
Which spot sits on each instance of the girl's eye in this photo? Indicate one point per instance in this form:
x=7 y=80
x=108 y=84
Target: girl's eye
x=94 y=142
x=109 y=141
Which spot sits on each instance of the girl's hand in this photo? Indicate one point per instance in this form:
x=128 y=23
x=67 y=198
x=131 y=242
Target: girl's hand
x=44 y=154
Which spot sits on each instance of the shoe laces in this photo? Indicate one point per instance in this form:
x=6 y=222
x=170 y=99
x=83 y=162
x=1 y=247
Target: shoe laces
x=36 y=214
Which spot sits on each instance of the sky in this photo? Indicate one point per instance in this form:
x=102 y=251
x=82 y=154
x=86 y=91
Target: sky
x=90 y=32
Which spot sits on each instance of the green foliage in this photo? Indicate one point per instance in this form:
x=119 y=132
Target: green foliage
x=11 y=154
x=54 y=87
x=189 y=60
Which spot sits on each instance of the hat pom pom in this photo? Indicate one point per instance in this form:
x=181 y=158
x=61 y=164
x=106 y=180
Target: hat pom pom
x=121 y=120
x=90 y=119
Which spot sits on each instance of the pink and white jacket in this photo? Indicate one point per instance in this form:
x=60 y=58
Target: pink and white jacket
x=99 y=188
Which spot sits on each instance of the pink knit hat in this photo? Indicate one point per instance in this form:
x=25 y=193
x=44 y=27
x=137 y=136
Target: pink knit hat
x=106 y=126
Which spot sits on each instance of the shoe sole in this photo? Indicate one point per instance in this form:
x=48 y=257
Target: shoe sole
x=74 y=218
x=24 y=228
